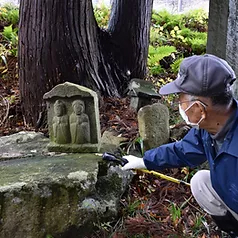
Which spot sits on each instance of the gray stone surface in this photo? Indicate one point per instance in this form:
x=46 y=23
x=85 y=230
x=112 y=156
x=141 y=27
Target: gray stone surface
x=223 y=33
x=141 y=93
x=111 y=141
x=218 y=19
x=153 y=122
x=232 y=41
x=63 y=195
x=23 y=144
x=73 y=119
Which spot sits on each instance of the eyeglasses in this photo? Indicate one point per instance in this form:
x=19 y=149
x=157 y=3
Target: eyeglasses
x=192 y=100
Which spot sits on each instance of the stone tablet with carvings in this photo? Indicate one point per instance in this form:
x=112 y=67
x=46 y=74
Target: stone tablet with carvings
x=73 y=119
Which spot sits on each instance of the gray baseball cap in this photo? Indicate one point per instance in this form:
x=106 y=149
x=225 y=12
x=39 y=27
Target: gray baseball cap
x=201 y=75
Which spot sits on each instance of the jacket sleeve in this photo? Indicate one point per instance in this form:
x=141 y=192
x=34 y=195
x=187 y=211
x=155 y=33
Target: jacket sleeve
x=187 y=152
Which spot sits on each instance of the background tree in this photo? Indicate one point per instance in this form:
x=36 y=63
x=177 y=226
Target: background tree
x=60 y=41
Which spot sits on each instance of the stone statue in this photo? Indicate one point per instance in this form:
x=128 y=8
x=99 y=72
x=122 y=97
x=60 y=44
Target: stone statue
x=60 y=123
x=73 y=119
x=79 y=124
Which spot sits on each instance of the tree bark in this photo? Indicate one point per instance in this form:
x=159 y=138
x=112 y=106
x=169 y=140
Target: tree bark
x=130 y=28
x=60 y=41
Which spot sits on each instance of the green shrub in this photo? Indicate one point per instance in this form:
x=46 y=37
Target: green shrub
x=9 y=15
x=175 y=65
x=102 y=15
x=197 y=19
x=11 y=39
x=10 y=34
x=157 y=36
x=156 y=54
x=198 y=42
x=198 y=46
x=186 y=32
x=200 y=35
x=167 y=20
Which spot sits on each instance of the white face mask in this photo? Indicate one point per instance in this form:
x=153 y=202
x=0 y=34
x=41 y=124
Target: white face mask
x=185 y=117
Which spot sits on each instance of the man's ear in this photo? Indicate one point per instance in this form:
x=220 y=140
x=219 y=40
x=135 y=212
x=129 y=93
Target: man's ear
x=202 y=110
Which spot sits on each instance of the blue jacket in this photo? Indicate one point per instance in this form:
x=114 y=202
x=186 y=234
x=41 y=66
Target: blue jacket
x=194 y=149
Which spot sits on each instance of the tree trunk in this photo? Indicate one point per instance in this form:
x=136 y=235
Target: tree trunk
x=130 y=28
x=60 y=41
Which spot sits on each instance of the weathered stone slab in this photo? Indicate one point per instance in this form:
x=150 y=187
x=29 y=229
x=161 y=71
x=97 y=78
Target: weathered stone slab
x=153 y=122
x=43 y=195
x=57 y=194
x=73 y=119
x=23 y=144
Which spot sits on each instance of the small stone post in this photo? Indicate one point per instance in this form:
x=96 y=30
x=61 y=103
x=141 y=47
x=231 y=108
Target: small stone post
x=153 y=122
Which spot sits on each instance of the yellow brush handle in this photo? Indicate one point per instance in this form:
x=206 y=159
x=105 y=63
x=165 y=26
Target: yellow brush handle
x=163 y=176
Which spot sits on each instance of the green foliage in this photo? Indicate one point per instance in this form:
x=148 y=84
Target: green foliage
x=11 y=39
x=198 y=42
x=9 y=14
x=198 y=222
x=157 y=36
x=10 y=34
x=155 y=55
x=49 y=236
x=175 y=212
x=199 y=35
x=9 y=17
x=198 y=46
x=158 y=53
x=186 y=32
x=133 y=207
x=3 y=60
x=102 y=15
x=196 y=19
x=175 y=65
x=167 y=20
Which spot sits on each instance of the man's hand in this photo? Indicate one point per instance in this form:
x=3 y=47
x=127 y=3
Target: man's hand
x=133 y=162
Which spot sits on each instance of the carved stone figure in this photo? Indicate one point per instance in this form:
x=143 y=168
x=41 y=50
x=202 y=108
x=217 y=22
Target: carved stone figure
x=73 y=119
x=79 y=124
x=60 y=123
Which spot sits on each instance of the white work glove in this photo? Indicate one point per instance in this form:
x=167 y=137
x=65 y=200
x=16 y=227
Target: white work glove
x=133 y=163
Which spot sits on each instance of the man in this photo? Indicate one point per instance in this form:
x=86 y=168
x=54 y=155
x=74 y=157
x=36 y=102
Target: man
x=206 y=103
